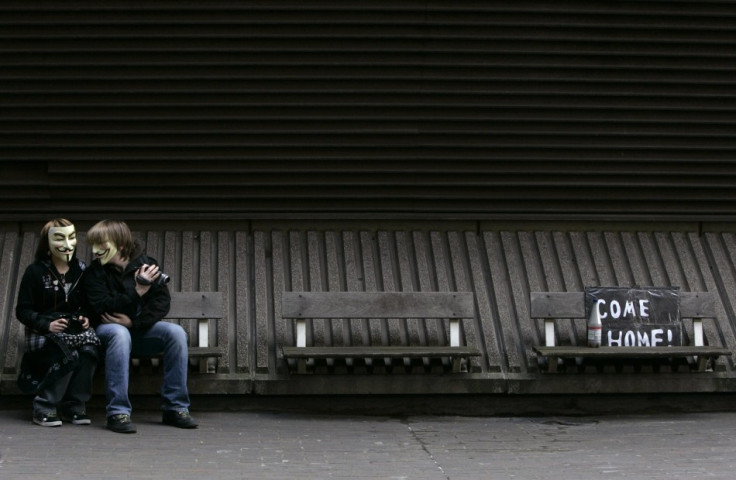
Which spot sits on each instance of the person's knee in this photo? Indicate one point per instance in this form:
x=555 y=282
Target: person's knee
x=180 y=334
x=174 y=333
x=89 y=354
x=115 y=337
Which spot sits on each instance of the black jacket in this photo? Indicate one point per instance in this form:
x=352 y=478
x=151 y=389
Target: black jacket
x=42 y=294
x=112 y=290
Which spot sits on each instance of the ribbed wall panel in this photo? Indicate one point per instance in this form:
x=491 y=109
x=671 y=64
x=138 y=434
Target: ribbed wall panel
x=500 y=266
x=231 y=109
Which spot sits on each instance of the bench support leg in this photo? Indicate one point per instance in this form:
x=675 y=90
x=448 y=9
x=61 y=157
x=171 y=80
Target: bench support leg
x=206 y=365
x=301 y=341
x=454 y=332
x=699 y=341
x=552 y=364
x=549 y=332
x=702 y=363
x=459 y=365
x=301 y=333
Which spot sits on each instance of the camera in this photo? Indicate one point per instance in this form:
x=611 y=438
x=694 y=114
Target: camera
x=162 y=279
x=74 y=325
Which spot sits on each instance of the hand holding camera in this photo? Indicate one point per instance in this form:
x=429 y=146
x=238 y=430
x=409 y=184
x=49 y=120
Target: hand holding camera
x=71 y=323
x=151 y=275
x=74 y=325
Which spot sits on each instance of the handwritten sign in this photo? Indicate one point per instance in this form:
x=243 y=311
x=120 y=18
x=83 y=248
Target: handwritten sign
x=637 y=317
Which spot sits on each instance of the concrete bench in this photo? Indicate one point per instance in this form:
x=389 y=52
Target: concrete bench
x=553 y=306
x=303 y=306
x=203 y=307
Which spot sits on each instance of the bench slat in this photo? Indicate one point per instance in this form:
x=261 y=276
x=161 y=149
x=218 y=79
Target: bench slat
x=697 y=304
x=378 y=352
x=377 y=305
x=196 y=305
x=557 y=305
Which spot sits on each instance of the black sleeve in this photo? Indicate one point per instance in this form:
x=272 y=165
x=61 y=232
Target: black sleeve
x=156 y=304
x=101 y=297
x=27 y=310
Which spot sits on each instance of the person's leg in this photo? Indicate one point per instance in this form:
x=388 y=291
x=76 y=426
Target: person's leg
x=116 y=343
x=170 y=339
x=46 y=401
x=79 y=390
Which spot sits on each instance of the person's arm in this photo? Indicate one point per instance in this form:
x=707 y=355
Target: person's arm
x=156 y=299
x=101 y=298
x=26 y=311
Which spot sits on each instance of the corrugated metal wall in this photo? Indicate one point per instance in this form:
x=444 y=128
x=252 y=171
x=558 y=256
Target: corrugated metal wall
x=481 y=109
x=500 y=266
x=224 y=128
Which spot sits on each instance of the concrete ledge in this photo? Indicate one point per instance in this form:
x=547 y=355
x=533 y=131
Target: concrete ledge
x=456 y=385
x=499 y=405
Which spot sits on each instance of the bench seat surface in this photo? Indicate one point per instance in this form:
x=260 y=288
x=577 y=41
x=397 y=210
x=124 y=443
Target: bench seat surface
x=378 y=352
x=628 y=352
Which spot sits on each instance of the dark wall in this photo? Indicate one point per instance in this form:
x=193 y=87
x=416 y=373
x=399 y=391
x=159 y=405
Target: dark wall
x=351 y=109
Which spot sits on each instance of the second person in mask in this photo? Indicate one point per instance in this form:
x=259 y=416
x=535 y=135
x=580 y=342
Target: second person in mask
x=127 y=301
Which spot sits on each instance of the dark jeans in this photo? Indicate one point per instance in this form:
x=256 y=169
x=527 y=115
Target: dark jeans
x=71 y=392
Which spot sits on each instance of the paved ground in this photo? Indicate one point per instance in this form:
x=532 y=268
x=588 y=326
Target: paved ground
x=287 y=446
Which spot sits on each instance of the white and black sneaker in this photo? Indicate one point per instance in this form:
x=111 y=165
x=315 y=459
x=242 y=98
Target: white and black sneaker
x=50 y=419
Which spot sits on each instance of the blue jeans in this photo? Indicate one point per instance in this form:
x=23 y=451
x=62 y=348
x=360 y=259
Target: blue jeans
x=119 y=342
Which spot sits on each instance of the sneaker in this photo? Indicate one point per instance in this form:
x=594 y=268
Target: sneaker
x=120 y=423
x=47 y=419
x=79 y=418
x=180 y=419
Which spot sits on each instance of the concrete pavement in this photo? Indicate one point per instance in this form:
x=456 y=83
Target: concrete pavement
x=234 y=445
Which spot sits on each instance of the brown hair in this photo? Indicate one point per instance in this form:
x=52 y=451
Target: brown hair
x=43 y=250
x=114 y=231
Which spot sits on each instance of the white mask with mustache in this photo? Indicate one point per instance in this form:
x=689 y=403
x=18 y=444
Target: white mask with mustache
x=62 y=242
x=104 y=251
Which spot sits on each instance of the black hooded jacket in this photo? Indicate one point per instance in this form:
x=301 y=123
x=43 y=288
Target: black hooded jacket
x=112 y=290
x=42 y=296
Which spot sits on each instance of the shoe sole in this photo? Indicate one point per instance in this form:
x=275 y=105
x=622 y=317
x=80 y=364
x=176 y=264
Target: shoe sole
x=117 y=430
x=124 y=428
x=55 y=423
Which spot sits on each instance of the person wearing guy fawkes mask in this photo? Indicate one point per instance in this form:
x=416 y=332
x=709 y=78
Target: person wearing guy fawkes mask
x=127 y=301
x=61 y=349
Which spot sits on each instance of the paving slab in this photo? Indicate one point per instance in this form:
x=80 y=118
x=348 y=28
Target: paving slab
x=259 y=445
